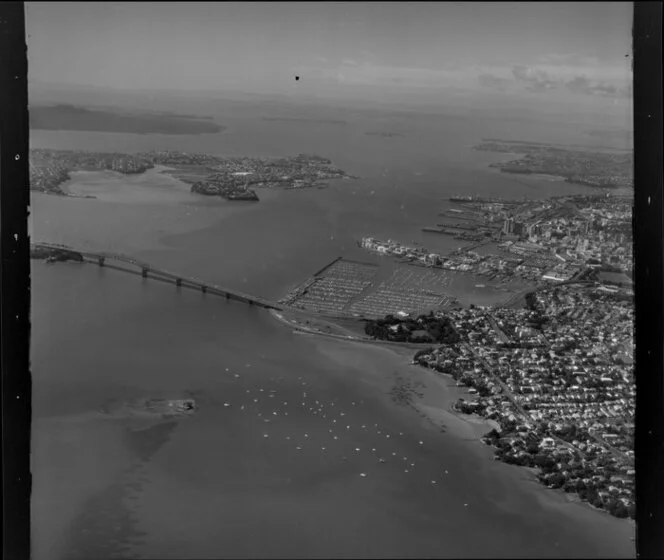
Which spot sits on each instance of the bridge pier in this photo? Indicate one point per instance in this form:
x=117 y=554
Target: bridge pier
x=145 y=268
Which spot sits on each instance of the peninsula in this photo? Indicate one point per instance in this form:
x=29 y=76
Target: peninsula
x=604 y=169
x=231 y=178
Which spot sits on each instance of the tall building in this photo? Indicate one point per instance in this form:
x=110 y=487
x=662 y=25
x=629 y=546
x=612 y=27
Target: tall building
x=508 y=226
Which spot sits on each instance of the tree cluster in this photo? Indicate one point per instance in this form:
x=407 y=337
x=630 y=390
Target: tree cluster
x=423 y=329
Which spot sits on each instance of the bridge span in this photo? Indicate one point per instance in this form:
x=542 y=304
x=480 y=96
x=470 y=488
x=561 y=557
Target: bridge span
x=124 y=263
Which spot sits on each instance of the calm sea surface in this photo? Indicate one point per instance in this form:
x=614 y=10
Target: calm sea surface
x=271 y=464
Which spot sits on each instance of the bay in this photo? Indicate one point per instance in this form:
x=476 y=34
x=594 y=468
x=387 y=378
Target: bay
x=213 y=485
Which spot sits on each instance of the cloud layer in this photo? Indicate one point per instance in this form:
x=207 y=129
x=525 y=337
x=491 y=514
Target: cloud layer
x=536 y=80
x=582 y=85
x=490 y=81
x=551 y=74
x=575 y=74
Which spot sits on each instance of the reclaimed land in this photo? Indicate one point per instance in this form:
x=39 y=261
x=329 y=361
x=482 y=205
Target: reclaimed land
x=354 y=289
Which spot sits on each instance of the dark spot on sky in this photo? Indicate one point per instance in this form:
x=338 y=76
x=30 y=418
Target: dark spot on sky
x=297 y=78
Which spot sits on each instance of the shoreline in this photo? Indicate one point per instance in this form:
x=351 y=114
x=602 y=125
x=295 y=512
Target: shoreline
x=431 y=396
x=75 y=175
x=470 y=428
x=465 y=427
x=473 y=427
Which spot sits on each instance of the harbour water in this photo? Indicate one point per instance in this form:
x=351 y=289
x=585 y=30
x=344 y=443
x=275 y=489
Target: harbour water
x=271 y=463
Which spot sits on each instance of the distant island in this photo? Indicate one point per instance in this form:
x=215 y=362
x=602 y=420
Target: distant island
x=230 y=178
x=579 y=166
x=612 y=135
x=565 y=146
x=71 y=117
x=304 y=119
x=384 y=134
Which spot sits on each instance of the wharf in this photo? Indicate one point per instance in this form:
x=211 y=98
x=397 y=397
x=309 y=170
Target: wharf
x=440 y=230
x=462 y=215
x=476 y=199
x=455 y=226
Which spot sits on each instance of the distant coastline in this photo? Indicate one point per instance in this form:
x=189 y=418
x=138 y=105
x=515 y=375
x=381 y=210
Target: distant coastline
x=303 y=119
x=230 y=178
x=74 y=118
x=384 y=134
x=601 y=169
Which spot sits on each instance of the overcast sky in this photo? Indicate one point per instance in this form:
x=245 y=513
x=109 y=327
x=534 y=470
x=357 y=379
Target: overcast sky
x=554 y=51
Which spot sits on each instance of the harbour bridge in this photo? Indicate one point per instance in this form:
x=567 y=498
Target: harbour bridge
x=124 y=263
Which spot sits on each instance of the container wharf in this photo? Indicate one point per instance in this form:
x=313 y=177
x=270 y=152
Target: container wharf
x=458 y=226
x=483 y=200
x=468 y=216
x=440 y=230
x=471 y=198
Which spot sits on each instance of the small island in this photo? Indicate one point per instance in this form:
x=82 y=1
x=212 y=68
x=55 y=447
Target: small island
x=603 y=169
